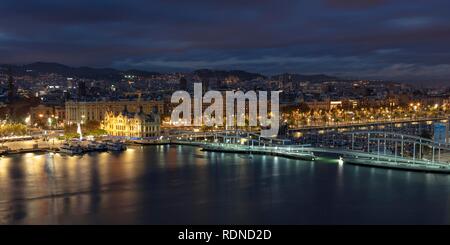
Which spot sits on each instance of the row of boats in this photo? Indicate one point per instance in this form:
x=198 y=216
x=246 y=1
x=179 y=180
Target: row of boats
x=77 y=148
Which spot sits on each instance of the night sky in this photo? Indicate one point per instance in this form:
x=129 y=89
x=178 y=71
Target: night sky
x=402 y=39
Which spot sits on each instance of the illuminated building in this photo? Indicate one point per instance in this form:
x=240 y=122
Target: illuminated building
x=319 y=105
x=83 y=111
x=132 y=124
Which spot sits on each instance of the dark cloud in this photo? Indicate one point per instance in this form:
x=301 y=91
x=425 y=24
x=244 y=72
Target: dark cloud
x=355 y=4
x=354 y=38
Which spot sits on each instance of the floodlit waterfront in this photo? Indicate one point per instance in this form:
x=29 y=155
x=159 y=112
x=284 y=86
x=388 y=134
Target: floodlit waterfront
x=183 y=185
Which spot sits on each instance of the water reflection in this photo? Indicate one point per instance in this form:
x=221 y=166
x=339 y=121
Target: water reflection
x=183 y=185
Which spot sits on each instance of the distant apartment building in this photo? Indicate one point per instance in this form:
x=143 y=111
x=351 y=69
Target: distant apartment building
x=436 y=100
x=324 y=105
x=83 y=111
x=314 y=89
x=132 y=124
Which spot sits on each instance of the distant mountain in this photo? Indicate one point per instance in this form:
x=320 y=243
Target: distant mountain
x=114 y=74
x=292 y=77
x=81 y=72
x=44 y=67
x=220 y=74
x=141 y=73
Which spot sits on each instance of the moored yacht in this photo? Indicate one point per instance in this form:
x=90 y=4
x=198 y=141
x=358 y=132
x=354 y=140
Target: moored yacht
x=116 y=146
x=97 y=146
x=70 y=148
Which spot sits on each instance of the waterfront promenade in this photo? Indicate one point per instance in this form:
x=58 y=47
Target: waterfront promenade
x=35 y=145
x=353 y=124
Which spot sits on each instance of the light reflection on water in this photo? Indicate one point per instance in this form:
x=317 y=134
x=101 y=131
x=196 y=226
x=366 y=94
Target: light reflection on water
x=184 y=185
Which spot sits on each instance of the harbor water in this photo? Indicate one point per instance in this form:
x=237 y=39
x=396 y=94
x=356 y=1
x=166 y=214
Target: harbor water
x=184 y=185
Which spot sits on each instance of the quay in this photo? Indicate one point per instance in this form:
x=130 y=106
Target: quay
x=147 y=142
x=28 y=150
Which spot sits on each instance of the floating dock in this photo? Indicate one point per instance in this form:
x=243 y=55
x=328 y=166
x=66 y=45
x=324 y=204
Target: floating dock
x=294 y=153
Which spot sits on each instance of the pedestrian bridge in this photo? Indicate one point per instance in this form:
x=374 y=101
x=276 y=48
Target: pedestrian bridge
x=371 y=148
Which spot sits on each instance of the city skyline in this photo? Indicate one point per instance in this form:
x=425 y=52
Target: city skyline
x=406 y=41
x=200 y=112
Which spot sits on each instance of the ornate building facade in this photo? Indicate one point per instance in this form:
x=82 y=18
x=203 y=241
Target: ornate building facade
x=83 y=111
x=132 y=124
